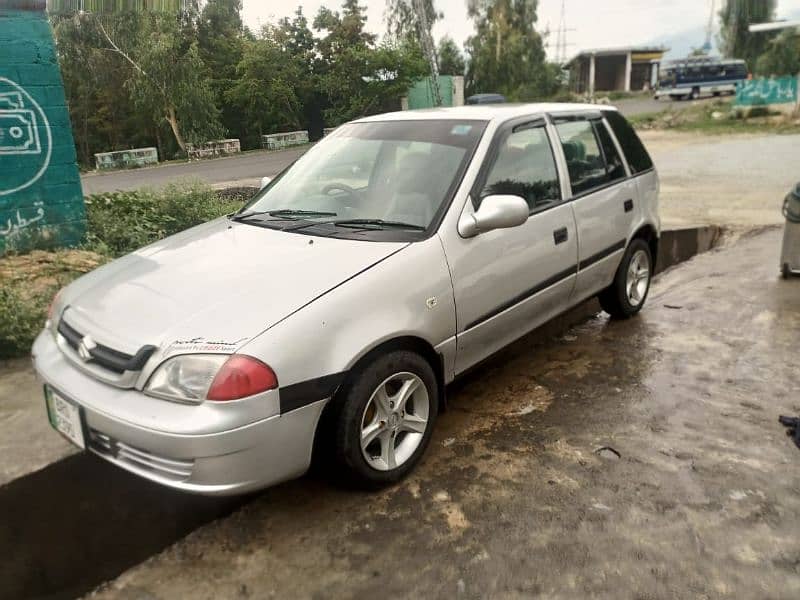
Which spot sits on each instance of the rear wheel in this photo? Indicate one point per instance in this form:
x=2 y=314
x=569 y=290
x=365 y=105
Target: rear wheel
x=695 y=95
x=786 y=272
x=386 y=419
x=627 y=294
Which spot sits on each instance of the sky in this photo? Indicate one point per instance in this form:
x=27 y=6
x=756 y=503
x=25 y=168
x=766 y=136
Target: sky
x=596 y=23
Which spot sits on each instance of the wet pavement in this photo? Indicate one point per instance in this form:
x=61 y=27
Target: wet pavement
x=27 y=442
x=634 y=459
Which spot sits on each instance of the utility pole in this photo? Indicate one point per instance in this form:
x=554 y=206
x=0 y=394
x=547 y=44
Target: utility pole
x=561 y=39
x=429 y=48
x=710 y=28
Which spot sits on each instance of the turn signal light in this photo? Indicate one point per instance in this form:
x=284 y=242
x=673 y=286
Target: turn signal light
x=241 y=376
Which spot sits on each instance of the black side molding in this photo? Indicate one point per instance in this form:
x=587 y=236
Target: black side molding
x=549 y=282
x=307 y=392
x=588 y=262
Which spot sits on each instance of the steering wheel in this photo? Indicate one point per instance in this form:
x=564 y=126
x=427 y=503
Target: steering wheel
x=343 y=187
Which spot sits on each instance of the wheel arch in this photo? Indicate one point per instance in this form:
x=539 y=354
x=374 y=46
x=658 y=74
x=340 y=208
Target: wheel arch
x=410 y=343
x=649 y=234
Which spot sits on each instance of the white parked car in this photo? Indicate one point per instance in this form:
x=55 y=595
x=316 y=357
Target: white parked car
x=335 y=307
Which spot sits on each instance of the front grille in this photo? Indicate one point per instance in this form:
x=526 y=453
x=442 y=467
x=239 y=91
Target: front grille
x=103 y=356
x=166 y=468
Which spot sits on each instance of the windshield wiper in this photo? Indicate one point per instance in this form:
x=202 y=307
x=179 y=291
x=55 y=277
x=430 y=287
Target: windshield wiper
x=378 y=223
x=283 y=212
x=361 y=224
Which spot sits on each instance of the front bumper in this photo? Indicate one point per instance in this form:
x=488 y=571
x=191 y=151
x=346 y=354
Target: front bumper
x=178 y=445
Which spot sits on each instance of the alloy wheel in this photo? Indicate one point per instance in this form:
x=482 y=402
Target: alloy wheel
x=394 y=421
x=638 y=279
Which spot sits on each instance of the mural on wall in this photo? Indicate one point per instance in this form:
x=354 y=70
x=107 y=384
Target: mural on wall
x=758 y=92
x=41 y=200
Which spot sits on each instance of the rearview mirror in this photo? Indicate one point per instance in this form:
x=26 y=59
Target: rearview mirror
x=265 y=181
x=495 y=212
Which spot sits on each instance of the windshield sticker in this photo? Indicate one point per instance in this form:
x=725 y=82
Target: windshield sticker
x=201 y=344
x=461 y=130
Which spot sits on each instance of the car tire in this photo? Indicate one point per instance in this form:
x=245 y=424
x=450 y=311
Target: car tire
x=626 y=296
x=695 y=95
x=786 y=271
x=373 y=407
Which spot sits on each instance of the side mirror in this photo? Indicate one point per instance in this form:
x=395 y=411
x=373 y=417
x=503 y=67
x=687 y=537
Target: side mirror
x=495 y=212
x=265 y=181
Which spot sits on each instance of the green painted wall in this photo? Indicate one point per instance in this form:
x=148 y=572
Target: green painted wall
x=421 y=94
x=41 y=200
x=760 y=92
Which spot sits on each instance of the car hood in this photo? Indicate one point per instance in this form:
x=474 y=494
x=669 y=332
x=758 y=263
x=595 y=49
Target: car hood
x=213 y=287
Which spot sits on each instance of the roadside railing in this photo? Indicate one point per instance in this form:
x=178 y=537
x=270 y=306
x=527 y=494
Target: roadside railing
x=126 y=159
x=213 y=149
x=277 y=141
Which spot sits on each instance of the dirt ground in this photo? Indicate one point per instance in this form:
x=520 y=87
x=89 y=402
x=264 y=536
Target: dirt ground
x=699 y=498
x=737 y=181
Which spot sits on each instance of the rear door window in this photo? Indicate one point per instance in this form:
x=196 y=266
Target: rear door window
x=585 y=161
x=639 y=160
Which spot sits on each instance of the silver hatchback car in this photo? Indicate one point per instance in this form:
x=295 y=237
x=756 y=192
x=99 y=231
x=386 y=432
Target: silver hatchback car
x=333 y=309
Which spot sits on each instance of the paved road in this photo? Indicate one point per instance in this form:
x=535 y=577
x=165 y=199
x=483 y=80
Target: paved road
x=251 y=167
x=733 y=180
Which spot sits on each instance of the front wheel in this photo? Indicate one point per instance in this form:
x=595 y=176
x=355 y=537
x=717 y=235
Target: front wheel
x=627 y=294
x=386 y=419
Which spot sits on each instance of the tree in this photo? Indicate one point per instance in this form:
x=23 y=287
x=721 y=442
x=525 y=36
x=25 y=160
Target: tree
x=168 y=80
x=451 y=60
x=506 y=54
x=103 y=112
x=221 y=38
x=356 y=76
x=271 y=77
x=414 y=20
x=736 y=41
x=782 y=56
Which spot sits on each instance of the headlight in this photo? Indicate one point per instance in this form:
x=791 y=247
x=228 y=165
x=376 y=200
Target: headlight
x=219 y=377
x=54 y=311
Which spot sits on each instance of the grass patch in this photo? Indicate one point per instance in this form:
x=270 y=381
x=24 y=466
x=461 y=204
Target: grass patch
x=27 y=285
x=717 y=118
x=117 y=223
x=120 y=222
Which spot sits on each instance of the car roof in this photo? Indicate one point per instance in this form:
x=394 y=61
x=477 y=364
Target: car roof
x=485 y=112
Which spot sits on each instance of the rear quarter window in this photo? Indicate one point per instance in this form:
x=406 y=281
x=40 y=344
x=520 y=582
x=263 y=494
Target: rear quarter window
x=638 y=158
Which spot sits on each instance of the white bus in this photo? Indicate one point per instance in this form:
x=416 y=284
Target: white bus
x=691 y=78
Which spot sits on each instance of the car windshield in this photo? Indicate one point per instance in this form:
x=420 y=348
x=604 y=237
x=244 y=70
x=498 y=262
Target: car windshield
x=384 y=176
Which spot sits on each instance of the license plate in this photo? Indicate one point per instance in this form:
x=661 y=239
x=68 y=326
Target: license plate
x=65 y=417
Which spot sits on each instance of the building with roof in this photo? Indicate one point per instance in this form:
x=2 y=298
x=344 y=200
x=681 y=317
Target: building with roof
x=624 y=69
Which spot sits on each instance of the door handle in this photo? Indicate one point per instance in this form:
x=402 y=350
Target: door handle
x=560 y=236
x=628 y=205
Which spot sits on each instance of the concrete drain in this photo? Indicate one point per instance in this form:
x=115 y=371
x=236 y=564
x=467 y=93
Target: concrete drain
x=79 y=522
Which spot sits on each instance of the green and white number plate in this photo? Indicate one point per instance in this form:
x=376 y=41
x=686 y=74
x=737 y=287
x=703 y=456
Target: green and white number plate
x=65 y=417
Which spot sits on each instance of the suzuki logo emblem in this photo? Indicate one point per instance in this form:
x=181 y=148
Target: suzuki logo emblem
x=85 y=348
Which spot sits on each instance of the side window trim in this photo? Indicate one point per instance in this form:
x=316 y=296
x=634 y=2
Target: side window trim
x=502 y=133
x=628 y=170
x=600 y=122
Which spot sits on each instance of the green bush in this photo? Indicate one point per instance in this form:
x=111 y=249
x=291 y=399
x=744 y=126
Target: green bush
x=21 y=319
x=117 y=223
x=121 y=222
